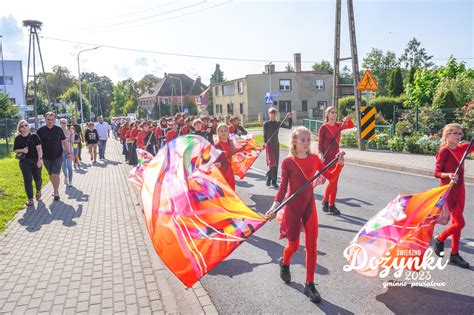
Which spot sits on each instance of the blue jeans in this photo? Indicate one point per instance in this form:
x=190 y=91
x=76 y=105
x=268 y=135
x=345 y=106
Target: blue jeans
x=102 y=144
x=67 y=167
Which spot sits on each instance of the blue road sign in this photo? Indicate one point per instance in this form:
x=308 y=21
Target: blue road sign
x=268 y=100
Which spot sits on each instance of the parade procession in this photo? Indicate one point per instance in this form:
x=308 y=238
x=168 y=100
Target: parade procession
x=311 y=187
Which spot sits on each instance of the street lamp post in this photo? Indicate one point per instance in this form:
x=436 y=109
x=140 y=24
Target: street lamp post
x=79 y=78
x=90 y=97
x=180 y=88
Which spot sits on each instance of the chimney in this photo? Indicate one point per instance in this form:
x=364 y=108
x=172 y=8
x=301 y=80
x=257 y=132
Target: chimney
x=269 y=68
x=198 y=80
x=297 y=57
x=166 y=74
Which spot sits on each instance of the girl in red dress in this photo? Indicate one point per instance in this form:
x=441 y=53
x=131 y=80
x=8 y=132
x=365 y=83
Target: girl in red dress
x=146 y=139
x=297 y=169
x=173 y=132
x=327 y=132
x=447 y=160
x=224 y=161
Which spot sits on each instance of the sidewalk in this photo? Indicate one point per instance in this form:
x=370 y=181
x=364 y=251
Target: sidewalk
x=403 y=162
x=89 y=252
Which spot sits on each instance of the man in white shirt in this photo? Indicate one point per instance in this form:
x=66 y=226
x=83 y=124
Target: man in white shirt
x=102 y=128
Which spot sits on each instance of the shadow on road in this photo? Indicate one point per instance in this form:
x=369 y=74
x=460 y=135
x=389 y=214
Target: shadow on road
x=77 y=194
x=34 y=218
x=243 y=184
x=421 y=300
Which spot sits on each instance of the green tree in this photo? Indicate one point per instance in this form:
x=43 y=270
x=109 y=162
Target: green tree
x=380 y=65
x=148 y=81
x=415 y=57
x=103 y=87
x=218 y=75
x=395 y=82
x=345 y=76
x=289 y=68
x=125 y=98
x=58 y=82
x=156 y=112
x=7 y=110
x=323 y=65
x=72 y=100
x=411 y=76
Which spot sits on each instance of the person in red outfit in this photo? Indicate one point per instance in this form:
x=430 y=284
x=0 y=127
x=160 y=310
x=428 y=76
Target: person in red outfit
x=173 y=132
x=235 y=128
x=186 y=129
x=327 y=132
x=297 y=169
x=224 y=161
x=447 y=160
x=145 y=138
x=133 y=159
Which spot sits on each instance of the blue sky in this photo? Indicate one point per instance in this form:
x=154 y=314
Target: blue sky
x=267 y=30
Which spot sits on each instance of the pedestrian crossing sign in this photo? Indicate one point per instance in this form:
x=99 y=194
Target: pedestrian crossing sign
x=367 y=83
x=268 y=99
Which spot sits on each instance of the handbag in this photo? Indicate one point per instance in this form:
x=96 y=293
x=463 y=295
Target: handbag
x=20 y=155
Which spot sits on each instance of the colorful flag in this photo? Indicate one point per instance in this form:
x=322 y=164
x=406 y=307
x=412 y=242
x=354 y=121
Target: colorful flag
x=247 y=151
x=136 y=174
x=193 y=217
x=404 y=228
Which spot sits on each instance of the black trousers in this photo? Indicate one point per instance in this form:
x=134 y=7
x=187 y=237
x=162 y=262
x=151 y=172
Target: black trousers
x=30 y=171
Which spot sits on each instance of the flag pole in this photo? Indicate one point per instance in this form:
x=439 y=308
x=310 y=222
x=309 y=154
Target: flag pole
x=303 y=187
x=464 y=156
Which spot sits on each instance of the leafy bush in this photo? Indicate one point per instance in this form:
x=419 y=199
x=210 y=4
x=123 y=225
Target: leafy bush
x=385 y=104
x=349 y=138
x=397 y=143
x=347 y=105
x=411 y=144
x=381 y=141
x=428 y=144
x=465 y=116
x=431 y=120
x=404 y=127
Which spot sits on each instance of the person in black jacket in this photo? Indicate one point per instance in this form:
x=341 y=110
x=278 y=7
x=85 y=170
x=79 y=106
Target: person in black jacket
x=28 y=150
x=92 y=138
x=270 y=136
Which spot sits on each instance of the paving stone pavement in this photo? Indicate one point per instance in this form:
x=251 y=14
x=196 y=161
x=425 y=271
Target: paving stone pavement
x=89 y=252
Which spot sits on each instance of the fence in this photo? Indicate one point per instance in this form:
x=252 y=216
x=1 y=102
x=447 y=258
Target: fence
x=7 y=130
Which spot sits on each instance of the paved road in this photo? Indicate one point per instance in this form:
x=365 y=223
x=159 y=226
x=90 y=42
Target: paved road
x=248 y=281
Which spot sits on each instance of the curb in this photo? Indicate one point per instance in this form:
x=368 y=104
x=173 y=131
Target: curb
x=187 y=301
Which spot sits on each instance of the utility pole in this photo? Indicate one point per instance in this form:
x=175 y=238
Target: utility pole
x=34 y=26
x=355 y=62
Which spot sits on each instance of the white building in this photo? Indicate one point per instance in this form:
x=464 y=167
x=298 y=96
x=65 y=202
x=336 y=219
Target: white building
x=12 y=82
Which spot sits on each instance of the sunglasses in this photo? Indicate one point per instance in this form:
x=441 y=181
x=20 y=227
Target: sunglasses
x=456 y=133
x=24 y=126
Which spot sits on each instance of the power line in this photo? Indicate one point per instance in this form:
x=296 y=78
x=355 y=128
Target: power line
x=146 y=17
x=191 y=55
x=167 y=19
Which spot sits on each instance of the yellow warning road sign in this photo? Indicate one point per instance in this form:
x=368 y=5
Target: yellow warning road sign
x=367 y=83
x=367 y=122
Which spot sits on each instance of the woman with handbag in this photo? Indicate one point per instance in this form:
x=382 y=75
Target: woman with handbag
x=28 y=151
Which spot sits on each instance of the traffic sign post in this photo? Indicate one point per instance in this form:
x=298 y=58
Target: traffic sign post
x=367 y=113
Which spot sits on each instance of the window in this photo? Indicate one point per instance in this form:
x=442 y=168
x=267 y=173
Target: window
x=7 y=80
x=240 y=87
x=228 y=89
x=230 y=108
x=285 y=85
x=241 y=108
x=216 y=89
x=284 y=106
x=322 y=105
x=304 y=105
x=319 y=85
x=218 y=109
